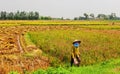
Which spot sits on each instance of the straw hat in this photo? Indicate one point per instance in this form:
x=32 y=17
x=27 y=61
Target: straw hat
x=76 y=41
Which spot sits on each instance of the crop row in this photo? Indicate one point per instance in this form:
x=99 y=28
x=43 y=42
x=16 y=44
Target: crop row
x=56 y=22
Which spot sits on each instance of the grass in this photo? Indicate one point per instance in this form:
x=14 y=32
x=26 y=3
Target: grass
x=28 y=40
x=107 y=67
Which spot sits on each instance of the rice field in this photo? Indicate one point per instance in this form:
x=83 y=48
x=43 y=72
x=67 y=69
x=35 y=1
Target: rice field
x=27 y=46
x=96 y=46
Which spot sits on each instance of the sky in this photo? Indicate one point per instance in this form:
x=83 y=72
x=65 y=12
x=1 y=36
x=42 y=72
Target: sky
x=62 y=8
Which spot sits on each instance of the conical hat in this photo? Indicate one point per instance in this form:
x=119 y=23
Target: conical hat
x=76 y=41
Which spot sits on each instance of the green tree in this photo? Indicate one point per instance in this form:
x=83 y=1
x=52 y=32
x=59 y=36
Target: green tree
x=17 y=15
x=102 y=16
x=86 y=15
x=81 y=18
x=61 y=18
x=36 y=15
x=10 y=16
x=75 y=18
x=3 y=15
x=112 y=16
x=92 y=16
x=30 y=15
x=23 y=15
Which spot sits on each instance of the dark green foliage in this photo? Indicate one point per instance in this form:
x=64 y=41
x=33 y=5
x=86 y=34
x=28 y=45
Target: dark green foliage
x=112 y=16
x=107 y=67
x=19 y=15
x=3 y=15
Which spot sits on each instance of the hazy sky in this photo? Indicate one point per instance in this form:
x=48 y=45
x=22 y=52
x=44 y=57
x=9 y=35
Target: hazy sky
x=62 y=8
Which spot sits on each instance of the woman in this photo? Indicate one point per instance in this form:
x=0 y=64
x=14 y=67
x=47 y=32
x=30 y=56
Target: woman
x=75 y=56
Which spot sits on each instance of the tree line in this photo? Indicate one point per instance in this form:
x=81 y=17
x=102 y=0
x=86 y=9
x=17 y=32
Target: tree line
x=91 y=16
x=23 y=15
x=19 y=15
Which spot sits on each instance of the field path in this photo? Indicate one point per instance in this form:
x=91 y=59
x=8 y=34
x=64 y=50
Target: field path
x=19 y=44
